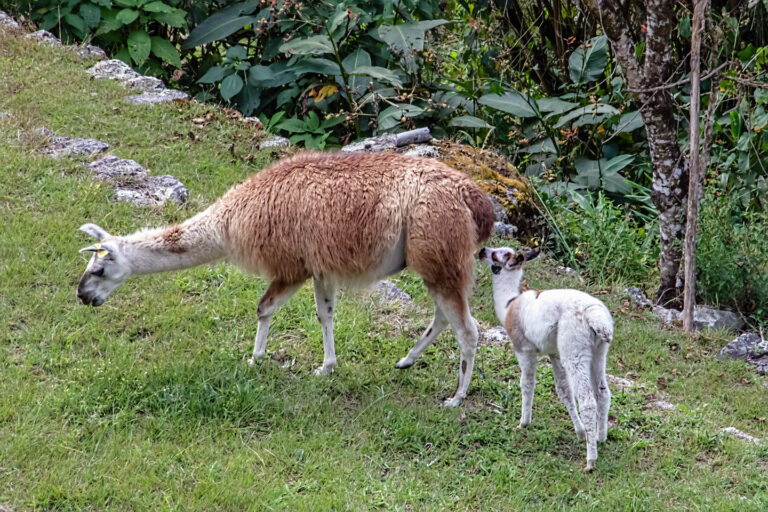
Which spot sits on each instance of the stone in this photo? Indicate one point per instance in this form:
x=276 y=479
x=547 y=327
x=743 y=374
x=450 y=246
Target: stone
x=152 y=191
x=145 y=83
x=90 y=51
x=113 y=69
x=637 y=295
x=568 y=271
x=252 y=120
x=276 y=142
x=493 y=336
x=6 y=21
x=389 y=292
x=372 y=144
x=703 y=318
x=116 y=169
x=664 y=405
x=618 y=382
x=44 y=132
x=748 y=347
x=4 y=115
x=741 y=435
x=504 y=230
x=498 y=210
x=424 y=151
x=44 y=36
x=150 y=98
x=61 y=146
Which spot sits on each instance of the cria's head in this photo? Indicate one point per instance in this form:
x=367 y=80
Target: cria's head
x=505 y=259
x=106 y=269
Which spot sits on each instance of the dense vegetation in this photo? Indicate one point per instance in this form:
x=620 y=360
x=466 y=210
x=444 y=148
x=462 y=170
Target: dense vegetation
x=537 y=81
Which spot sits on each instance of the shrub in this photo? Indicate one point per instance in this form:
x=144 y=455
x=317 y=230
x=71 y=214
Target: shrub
x=732 y=255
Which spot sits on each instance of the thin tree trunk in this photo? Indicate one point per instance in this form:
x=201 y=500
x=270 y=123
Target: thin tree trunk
x=694 y=183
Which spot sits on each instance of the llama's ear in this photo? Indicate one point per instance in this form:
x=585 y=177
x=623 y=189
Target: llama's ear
x=529 y=255
x=99 y=249
x=95 y=231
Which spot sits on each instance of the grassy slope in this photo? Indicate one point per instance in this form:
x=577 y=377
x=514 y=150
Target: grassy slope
x=146 y=402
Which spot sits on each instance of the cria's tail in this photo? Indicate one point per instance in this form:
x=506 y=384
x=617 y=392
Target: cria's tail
x=599 y=319
x=482 y=212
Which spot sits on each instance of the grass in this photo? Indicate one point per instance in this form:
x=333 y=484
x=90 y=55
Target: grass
x=146 y=403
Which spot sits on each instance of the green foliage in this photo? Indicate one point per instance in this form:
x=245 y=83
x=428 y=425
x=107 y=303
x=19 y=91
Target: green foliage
x=593 y=234
x=732 y=255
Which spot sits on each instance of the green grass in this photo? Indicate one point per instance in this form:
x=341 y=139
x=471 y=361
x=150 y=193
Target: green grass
x=146 y=403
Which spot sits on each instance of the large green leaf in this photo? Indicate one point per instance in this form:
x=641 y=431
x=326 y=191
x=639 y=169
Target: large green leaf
x=213 y=75
x=511 y=102
x=127 y=16
x=629 y=122
x=223 y=23
x=351 y=62
x=139 y=46
x=378 y=73
x=176 y=18
x=274 y=75
x=313 y=45
x=392 y=116
x=91 y=15
x=555 y=105
x=230 y=86
x=587 y=115
x=77 y=23
x=164 y=50
x=469 y=122
x=408 y=36
x=604 y=173
x=249 y=99
x=318 y=66
x=586 y=64
x=157 y=6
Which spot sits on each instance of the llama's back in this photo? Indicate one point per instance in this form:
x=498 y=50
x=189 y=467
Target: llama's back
x=341 y=214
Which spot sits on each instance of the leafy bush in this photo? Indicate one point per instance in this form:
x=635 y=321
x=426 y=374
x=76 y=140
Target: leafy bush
x=601 y=238
x=732 y=255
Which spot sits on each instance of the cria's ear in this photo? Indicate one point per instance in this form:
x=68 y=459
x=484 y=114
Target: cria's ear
x=95 y=231
x=529 y=255
x=516 y=261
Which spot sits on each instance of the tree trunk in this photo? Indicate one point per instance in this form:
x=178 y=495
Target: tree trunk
x=670 y=170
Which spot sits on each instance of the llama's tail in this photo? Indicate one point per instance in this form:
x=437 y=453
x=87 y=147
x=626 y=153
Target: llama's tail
x=482 y=212
x=599 y=319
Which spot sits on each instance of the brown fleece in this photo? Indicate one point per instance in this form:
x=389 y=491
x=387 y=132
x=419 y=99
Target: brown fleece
x=172 y=239
x=512 y=324
x=338 y=214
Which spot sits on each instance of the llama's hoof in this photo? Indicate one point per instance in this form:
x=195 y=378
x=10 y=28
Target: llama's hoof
x=324 y=370
x=601 y=437
x=251 y=361
x=403 y=364
x=589 y=467
x=452 y=402
x=522 y=425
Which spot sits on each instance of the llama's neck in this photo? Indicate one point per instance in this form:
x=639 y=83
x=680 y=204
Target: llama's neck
x=506 y=286
x=195 y=241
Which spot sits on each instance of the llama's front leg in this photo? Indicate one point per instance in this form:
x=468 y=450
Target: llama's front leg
x=276 y=295
x=465 y=330
x=439 y=322
x=564 y=392
x=527 y=362
x=325 y=302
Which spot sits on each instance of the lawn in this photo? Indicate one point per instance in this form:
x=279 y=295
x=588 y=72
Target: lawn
x=147 y=403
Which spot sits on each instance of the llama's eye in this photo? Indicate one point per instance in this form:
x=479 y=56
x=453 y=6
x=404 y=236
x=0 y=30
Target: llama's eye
x=98 y=273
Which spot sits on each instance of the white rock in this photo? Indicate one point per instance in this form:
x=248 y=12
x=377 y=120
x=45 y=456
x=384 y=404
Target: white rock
x=44 y=36
x=663 y=404
x=741 y=435
x=389 y=291
x=61 y=146
x=275 y=142
x=150 y=98
x=116 y=169
x=424 y=151
x=493 y=336
x=89 y=51
x=113 y=69
x=619 y=382
x=7 y=21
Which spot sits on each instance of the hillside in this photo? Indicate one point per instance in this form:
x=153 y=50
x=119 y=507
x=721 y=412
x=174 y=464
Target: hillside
x=148 y=403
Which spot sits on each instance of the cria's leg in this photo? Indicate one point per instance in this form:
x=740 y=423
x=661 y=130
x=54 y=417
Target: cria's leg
x=325 y=302
x=576 y=359
x=527 y=362
x=564 y=392
x=465 y=330
x=439 y=322
x=276 y=295
x=600 y=387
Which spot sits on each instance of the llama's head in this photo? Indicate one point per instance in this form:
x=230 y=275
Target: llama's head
x=505 y=259
x=106 y=270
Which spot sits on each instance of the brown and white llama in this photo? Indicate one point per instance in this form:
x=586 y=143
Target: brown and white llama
x=341 y=219
x=573 y=328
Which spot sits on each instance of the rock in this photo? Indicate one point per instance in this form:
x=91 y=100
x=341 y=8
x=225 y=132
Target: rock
x=619 y=382
x=504 y=230
x=61 y=146
x=150 y=98
x=703 y=317
x=748 y=347
x=276 y=142
x=372 y=144
x=113 y=69
x=253 y=120
x=4 y=115
x=664 y=405
x=3 y=506
x=389 y=291
x=568 y=271
x=498 y=211
x=637 y=295
x=90 y=51
x=145 y=83
x=741 y=435
x=44 y=132
x=44 y=36
x=118 y=170
x=6 y=21
x=152 y=191
x=424 y=151
x=493 y=336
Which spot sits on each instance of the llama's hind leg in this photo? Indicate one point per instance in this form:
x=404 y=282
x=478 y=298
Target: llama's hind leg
x=276 y=295
x=577 y=365
x=439 y=322
x=600 y=388
x=456 y=309
x=325 y=302
x=564 y=392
